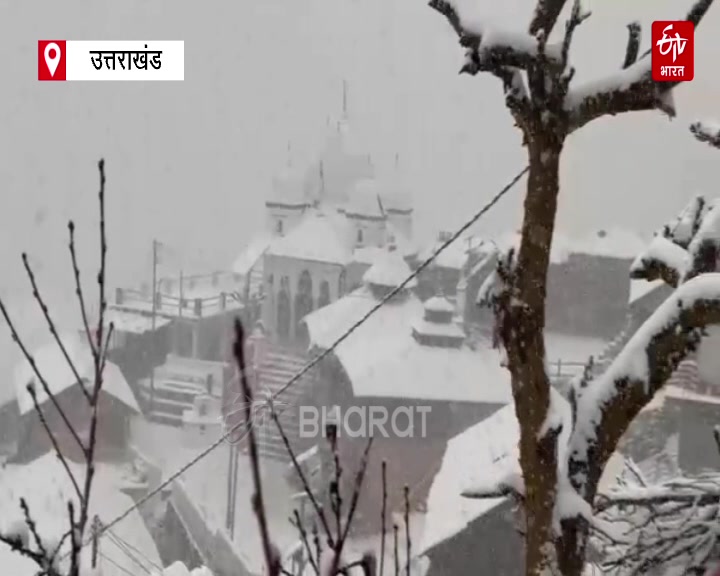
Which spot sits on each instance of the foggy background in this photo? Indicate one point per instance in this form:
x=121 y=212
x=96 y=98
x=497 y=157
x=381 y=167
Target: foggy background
x=190 y=163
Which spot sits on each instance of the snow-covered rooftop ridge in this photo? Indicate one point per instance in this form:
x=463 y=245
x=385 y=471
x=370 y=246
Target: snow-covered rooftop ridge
x=54 y=368
x=365 y=200
x=455 y=255
x=179 y=569
x=478 y=459
x=252 y=254
x=641 y=288
x=438 y=304
x=46 y=486
x=614 y=243
x=402 y=367
x=389 y=270
x=321 y=236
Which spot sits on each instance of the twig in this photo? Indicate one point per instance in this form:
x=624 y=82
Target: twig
x=272 y=559
x=32 y=526
x=43 y=382
x=99 y=363
x=633 y=44
x=396 y=549
x=54 y=442
x=51 y=325
x=383 y=517
x=359 y=477
x=303 y=479
x=335 y=489
x=78 y=285
x=305 y=541
x=407 y=527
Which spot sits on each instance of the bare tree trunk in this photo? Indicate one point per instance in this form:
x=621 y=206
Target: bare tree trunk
x=523 y=338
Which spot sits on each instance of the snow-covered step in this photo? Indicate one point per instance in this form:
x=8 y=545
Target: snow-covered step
x=279 y=367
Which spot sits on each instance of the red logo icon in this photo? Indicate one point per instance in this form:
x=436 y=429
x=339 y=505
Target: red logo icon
x=51 y=60
x=673 y=51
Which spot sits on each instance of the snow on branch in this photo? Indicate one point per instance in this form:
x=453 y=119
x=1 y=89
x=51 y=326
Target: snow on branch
x=662 y=260
x=628 y=90
x=674 y=523
x=707 y=132
x=611 y=401
x=491 y=46
x=704 y=248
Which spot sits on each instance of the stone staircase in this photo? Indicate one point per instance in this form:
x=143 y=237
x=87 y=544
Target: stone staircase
x=616 y=345
x=280 y=365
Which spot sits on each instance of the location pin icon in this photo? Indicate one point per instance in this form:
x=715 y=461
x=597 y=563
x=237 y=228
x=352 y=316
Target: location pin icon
x=52 y=57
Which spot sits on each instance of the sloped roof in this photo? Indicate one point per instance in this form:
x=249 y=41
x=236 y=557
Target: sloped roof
x=319 y=237
x=439 y=304
x=53 y=366
x=400 y=366
x=399 y=200
x=252 y=254
x=390 y=270
x=455 y=255
x=45 y=485
x=480 y=456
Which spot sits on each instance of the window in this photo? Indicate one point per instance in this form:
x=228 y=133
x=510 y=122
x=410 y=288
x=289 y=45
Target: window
x=279 y=227
x=360 y=238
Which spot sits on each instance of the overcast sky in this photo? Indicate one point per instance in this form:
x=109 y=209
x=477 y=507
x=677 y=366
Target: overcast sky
x=190 y=163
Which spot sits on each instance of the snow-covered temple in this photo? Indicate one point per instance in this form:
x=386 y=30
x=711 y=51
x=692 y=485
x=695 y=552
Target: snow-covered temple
x=325 y=226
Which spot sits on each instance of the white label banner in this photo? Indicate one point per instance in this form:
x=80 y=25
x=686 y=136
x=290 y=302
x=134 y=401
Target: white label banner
x=90 y=60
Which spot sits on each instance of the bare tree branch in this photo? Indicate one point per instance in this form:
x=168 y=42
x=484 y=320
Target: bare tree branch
x=633 y=44
x=43 y=382
x=705 y=132
x=51 y=325
x=632 y=90
x=78 y=285
x=682 y=320
x=546 y=14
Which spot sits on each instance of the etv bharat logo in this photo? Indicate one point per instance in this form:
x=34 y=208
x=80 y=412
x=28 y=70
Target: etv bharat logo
x=673 y=53
x=261 y=408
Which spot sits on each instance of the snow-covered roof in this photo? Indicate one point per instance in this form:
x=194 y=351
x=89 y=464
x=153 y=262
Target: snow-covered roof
x=287 y=190
x=612 y=243
x=132 y=322
x=389 y=269
x=179 y=569
x=640 y=288
x=53 y=366
x=397 y=200
x=252 y=253
x=364 y=200
x=447 y=330
x=480 y=456
x=45 y=485
x=439 y=304
x=401 y=367
x=320 y=237
x=456 y=253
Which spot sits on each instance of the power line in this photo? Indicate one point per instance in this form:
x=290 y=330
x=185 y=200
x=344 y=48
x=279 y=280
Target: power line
x=312 y=363
x=133 y=553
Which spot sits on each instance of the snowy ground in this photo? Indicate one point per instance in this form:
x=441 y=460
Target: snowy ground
x=206 y=485
x=44 y=483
